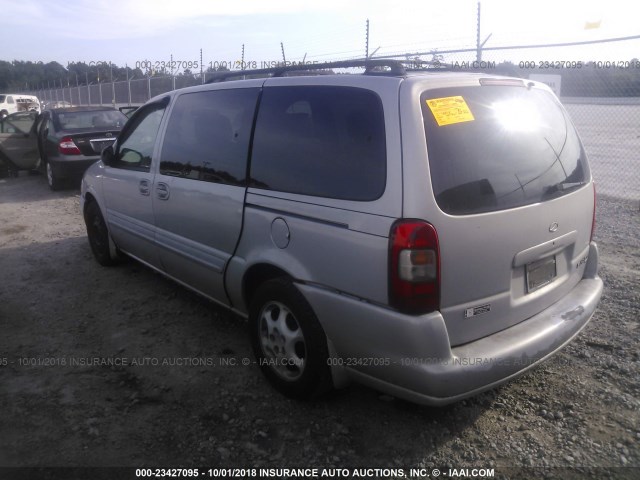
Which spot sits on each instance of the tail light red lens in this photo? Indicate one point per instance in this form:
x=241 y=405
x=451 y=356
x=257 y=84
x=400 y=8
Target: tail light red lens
x=414 y=267
x=68 y=147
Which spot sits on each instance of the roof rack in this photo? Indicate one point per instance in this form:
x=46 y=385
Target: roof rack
x=372 y=67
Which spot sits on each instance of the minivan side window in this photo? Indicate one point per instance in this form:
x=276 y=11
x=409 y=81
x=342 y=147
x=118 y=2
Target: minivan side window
x=136 y=147
x=208 y=135
x=325 y=141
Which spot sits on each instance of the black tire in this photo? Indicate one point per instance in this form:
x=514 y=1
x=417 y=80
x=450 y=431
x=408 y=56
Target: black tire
x=98 y=235
x=300 y=369
x=54 y=182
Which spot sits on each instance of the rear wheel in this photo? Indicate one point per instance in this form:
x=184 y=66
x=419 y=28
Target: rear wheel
x=54 y=182
x=288 y=341
x=98 y=235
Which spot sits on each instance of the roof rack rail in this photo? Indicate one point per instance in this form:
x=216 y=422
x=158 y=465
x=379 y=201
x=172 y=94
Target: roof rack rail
x=395 y=68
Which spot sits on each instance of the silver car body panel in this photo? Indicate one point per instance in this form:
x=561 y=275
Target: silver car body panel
x=411 y=357
x=326 y=234
x=197 y=229
x=129 y=212
x=478 y=252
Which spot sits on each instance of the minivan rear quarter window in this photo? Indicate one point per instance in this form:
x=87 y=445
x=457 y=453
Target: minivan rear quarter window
x=324 y=141
x=508 y=146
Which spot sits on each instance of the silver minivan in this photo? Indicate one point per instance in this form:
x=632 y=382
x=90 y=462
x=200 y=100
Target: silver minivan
x=428 y=234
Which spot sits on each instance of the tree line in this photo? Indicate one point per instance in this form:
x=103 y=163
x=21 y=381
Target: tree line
x=17 y=76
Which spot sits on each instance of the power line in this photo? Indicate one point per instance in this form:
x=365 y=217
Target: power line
x=519 y=47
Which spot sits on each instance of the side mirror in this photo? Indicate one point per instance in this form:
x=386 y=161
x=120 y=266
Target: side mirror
x=108 y=156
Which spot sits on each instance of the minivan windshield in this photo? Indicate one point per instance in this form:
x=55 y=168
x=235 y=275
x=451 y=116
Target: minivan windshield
x=498 y=147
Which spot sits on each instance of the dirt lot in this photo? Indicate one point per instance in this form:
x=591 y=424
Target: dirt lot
x=181 y=402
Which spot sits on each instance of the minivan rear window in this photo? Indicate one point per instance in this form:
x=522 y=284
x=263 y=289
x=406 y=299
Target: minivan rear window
x=498 y=147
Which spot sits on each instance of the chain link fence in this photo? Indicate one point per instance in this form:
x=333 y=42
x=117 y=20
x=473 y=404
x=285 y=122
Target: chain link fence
x=603 y=99
x=131 y=92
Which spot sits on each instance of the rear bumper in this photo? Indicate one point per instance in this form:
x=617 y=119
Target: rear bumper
x=410 y=357
x=71 y=166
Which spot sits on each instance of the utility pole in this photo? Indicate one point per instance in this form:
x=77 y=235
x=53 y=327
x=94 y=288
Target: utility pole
x=201 y=67
x=113 y=85
x=478 y=48
x=284 y=59
x=478 y=44
x=126 y=67
x=366 y=42
x=244 y=77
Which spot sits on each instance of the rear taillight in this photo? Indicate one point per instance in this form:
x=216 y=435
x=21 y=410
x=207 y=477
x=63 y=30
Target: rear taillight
x=414 y=267
x=67 y=147
x=593 y=220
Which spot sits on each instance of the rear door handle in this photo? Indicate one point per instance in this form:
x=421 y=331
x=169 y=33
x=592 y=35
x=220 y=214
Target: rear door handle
x=143 y=186
x=162 y=191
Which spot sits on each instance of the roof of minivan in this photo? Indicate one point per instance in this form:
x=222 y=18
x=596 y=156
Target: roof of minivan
x=435 y=78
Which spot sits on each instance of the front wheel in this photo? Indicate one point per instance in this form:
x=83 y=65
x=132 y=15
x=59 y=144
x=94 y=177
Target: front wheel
x=98 y=235
x=288 y=341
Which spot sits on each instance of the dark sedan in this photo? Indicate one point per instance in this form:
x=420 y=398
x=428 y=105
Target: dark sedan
x=70 y=139
x=62 y=142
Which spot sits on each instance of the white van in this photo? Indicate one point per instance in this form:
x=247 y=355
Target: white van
x=12 y=103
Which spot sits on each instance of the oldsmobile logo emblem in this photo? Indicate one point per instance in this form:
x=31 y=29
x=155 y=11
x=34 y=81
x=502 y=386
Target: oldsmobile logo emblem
x=553 y=227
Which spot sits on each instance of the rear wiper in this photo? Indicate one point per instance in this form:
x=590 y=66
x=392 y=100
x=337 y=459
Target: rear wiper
x=562 y=186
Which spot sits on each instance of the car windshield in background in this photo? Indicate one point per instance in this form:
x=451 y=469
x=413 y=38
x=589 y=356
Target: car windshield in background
x=90 y=119
x=498 y=147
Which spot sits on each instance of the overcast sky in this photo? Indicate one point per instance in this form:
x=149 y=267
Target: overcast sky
x=127 y=32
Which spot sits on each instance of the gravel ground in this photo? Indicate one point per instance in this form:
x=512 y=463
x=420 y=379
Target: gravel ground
x=577 y=416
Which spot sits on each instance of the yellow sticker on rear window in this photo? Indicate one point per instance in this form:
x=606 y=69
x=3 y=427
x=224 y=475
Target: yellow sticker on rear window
x=449 y=110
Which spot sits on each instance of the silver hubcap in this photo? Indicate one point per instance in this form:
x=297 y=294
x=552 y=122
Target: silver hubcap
x=49 y=174
x=282 y=341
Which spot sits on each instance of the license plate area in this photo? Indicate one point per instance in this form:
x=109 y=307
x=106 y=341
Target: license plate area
x=540 y=273
x=100 y=144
